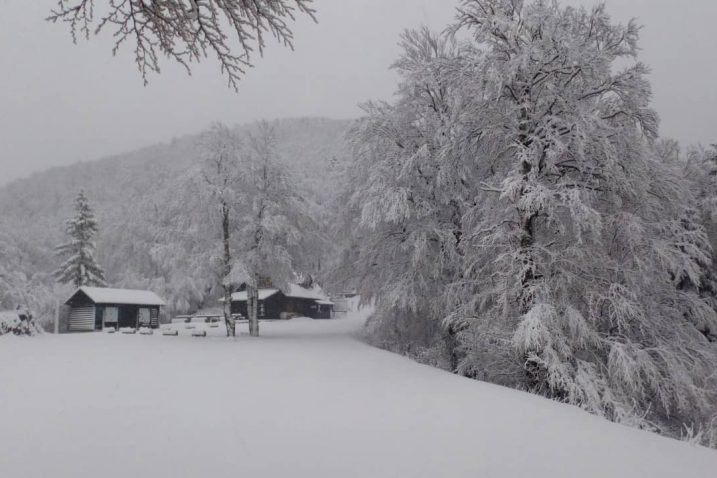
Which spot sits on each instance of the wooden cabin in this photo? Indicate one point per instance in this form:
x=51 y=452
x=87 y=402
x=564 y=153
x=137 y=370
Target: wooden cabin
x=278 y=304
x=98 y=308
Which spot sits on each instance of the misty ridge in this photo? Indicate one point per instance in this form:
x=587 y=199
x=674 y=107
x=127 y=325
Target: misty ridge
x=512 y=219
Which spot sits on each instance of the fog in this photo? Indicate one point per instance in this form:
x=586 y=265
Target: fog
x=61 y=103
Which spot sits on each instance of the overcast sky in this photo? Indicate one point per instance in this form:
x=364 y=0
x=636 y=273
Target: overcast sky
x=61 y=103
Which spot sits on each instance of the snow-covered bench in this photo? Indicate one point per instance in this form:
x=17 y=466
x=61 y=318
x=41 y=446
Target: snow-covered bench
x=169 y=330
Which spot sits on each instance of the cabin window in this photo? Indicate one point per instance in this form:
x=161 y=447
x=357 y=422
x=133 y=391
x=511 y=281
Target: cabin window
x=261 y=309
x=143 y=317
x=111 y=315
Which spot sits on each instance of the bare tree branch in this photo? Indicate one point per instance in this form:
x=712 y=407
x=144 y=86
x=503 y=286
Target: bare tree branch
x=187 y=30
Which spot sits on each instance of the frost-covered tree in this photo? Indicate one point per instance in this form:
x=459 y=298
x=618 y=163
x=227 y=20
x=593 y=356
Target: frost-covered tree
x=273 y=224
x=406 y=197
x=221 y=172
x=35 y=291
x=186 y=31
x=558 y=242
x=80 y=267
x=699 y=167
x=12 y=280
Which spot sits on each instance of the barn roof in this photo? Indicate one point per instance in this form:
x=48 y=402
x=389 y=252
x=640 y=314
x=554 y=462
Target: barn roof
x=105 y=295
x=293 y=290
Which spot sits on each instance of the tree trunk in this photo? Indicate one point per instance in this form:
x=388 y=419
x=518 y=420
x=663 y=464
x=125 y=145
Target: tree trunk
x=228 y=318
x=226 y=269
x=249 y=307
x=252 y=310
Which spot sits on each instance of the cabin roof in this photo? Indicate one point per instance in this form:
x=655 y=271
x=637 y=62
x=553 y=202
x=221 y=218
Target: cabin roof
x=263 y=294
x=294 y=290
x=106 y=295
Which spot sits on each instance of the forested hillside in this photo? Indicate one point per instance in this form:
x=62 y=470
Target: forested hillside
x=156 y=227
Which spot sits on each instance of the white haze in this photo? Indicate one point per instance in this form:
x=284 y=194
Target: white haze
x=61 y=103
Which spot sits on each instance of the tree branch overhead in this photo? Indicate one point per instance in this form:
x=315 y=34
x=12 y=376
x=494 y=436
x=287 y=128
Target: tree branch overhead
x=187 y=31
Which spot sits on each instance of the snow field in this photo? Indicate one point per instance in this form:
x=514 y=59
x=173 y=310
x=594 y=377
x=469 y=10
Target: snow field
x=304 y=400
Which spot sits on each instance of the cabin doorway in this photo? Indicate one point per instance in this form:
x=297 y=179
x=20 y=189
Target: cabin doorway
x=127 y=316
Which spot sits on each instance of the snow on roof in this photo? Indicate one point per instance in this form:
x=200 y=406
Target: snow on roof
x=324 y=302
x=293 y=290
x=300 y=292
x=263 y=294
x=105 y=295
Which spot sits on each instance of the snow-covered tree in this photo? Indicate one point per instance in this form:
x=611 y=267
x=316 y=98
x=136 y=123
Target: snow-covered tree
x=273 y=223
x=80 y=267
x=221 y=172
x=12 y=280
x=515 y=189
x=185 y=31
x=699 y=167
x=406 y=198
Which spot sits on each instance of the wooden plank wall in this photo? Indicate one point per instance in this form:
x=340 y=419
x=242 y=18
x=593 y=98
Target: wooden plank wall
x=82 y=319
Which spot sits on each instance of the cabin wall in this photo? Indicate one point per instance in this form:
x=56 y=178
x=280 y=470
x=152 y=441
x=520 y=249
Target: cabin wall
x=238 y=308
x=272 y=307
x=277 y=304
x=269 y=308
x=324 y=311
x=82 y=318
x=86 y=317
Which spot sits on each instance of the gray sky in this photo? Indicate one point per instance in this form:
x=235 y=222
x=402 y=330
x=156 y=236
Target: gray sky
x=61 y=103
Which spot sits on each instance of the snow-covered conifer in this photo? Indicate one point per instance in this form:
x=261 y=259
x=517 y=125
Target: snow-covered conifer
x=80 y=267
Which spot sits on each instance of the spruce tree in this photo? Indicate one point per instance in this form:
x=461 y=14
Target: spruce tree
x=80 y=267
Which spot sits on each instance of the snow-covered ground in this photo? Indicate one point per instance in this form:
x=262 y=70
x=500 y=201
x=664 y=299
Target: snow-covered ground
x=303 y=400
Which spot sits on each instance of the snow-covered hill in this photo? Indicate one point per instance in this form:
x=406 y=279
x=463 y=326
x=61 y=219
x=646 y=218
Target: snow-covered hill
x=303 y=400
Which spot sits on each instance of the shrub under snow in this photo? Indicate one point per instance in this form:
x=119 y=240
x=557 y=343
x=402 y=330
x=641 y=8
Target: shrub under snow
x=19 y=322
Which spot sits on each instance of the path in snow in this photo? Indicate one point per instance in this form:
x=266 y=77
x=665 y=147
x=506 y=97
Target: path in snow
x=303 y=400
